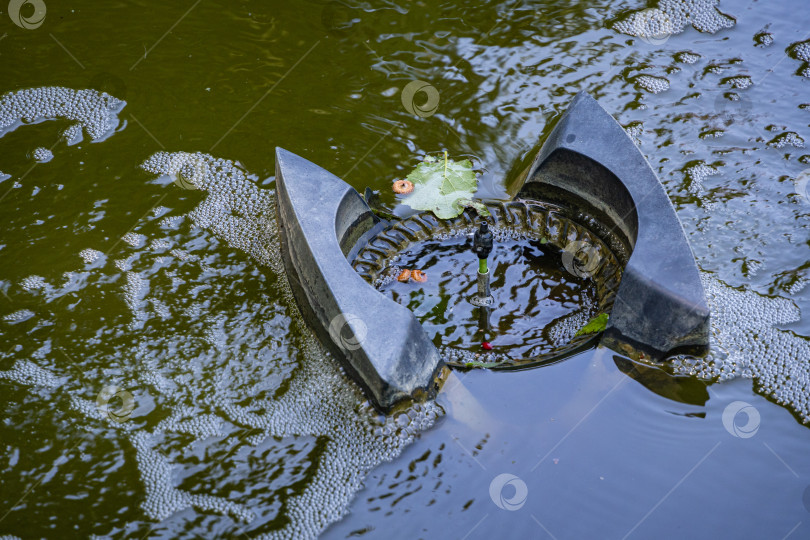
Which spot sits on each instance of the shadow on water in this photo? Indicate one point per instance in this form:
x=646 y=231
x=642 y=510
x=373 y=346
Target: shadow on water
x=682 y=389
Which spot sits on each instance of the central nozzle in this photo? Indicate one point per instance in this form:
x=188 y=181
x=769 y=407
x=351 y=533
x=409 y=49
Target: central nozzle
x=482 y=247
x=482 y=243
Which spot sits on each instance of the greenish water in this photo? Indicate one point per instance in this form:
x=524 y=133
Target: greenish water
x=238 y=422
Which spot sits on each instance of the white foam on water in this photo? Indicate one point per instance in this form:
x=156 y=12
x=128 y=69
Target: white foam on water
x=90 y=255
x=42 y=154
x=651 y=83
x=788 y=138
x=695 y=174
x=801 y=51
x=746 y=341
x=320 y=402
x=673 y=17
x=19 y=316
x=94 y=111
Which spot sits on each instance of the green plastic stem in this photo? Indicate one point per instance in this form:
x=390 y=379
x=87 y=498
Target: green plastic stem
x=482 y=266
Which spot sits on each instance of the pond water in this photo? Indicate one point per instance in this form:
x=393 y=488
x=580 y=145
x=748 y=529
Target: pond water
x=536 y=305
x=159 y=381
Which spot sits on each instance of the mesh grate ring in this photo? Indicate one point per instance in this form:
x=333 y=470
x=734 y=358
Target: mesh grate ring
x=520 y=219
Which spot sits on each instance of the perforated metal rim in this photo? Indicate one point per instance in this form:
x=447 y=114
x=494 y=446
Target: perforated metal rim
x=530 y=219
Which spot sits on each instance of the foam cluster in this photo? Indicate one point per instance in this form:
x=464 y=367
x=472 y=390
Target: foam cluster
x=763 y=39
x=90 y=255
x=319 y=402
x=18 y=316
x=746 y=342
x=42 y=154
x=672 y=17
x=695 y=174
x=30 y=374
x=687 y=57
x=741 y=81
x=788 y=138
x=94 y=111
x=651 y=83
x=801 y=51
x=471 y=359
x=564 y=329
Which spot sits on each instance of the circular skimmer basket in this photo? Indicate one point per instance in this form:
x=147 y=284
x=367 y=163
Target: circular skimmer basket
x=583 y=251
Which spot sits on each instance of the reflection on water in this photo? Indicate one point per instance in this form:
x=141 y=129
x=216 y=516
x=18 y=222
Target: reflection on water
x=120 y=282
x=537 y=305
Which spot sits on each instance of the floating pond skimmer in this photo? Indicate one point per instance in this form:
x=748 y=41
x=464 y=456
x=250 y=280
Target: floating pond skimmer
x=588 y=186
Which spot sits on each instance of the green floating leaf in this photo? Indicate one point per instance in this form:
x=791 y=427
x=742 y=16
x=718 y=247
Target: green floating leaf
x=484 y=365
x=479 y=207
x=443 y=187
x=594 y=326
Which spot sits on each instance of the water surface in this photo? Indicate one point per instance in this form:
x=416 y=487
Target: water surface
x=115 y=276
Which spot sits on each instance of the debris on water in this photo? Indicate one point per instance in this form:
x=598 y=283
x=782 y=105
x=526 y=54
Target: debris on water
x=594 y=326
x=695 y=172
x=402 y=187
x=443 y=187
x=416 y=275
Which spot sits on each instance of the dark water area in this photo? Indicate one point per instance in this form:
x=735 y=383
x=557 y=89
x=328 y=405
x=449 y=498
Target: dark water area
x=159 y=381
x=537 y=305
